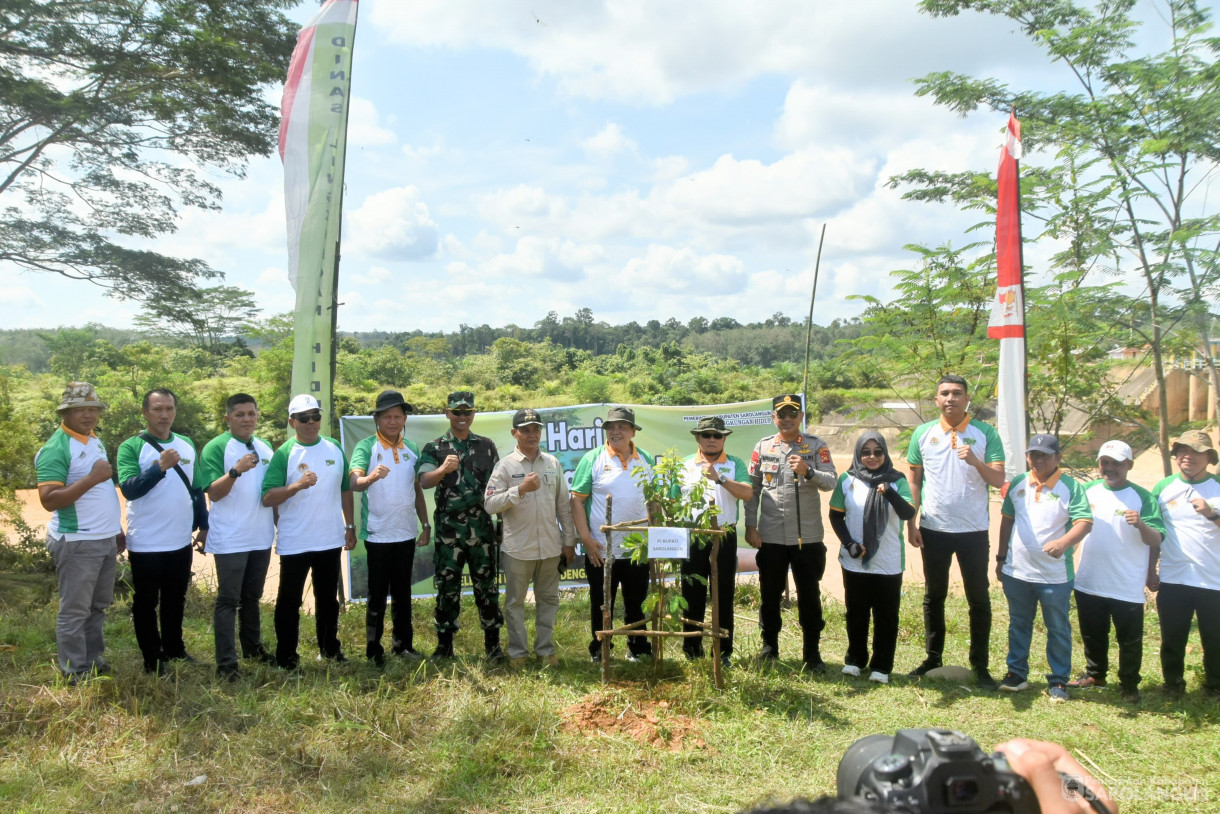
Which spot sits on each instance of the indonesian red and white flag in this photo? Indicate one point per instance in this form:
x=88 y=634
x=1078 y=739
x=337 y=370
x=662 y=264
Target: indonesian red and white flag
x=1007 y=322
x=313 y=143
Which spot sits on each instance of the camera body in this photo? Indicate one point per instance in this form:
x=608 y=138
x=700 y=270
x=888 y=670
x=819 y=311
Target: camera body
x=932 y=770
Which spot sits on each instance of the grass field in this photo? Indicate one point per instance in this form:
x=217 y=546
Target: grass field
x=475 y=738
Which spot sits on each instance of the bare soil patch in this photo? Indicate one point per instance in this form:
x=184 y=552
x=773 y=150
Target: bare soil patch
x=650 y=723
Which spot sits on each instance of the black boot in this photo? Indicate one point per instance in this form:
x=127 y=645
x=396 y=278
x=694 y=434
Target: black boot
x=444 y=645
x=491 y=644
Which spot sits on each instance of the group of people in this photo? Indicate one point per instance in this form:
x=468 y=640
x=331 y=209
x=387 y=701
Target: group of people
x=1103 y=539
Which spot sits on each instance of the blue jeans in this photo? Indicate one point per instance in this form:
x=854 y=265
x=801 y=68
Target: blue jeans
x=1023 y=600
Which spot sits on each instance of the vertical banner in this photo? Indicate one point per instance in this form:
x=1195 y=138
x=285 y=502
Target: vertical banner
x=568 y=433
x=1007 y=322
x=313 y=140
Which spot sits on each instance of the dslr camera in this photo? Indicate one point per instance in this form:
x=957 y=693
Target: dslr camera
x=931 y=770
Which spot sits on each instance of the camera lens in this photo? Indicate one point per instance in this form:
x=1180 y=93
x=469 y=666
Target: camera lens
x=857 y=759
x=961 y=791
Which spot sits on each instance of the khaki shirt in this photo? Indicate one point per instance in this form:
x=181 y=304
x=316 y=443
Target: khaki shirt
x=536 y=524
x=773 y=506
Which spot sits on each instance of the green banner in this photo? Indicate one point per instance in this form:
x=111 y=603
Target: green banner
x=569 y=433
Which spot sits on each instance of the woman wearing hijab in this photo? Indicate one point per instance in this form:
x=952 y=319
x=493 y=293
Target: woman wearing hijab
x=867 y=512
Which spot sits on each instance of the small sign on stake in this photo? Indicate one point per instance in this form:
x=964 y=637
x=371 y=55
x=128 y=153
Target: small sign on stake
x=668 y=543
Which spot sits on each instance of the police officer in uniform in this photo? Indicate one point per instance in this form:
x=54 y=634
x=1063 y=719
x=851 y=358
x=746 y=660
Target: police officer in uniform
x=784 y=522
x=458 y=465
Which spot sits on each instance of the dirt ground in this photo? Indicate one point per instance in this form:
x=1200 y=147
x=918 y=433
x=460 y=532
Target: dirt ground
x=1147 y=471
x=651 y=723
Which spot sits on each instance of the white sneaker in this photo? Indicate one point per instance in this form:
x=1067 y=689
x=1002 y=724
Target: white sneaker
x=851 y=670
x=880 y=678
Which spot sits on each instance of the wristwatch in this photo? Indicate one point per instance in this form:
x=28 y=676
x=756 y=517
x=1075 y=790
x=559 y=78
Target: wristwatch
x=234 y=473
x=721 y=478
x=349 y=526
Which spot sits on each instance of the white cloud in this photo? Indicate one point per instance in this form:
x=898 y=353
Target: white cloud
x=364 y=125
x=19 y=296
x=376 y=275
x=394 y=224
x=547 y=258
x=608 y=142
x=682 y=270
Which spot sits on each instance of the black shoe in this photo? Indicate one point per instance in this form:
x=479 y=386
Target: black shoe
x=1174 y=690
x=496 y=655
x=444 y=650
x=378 y=659
x=986 y=682
x=815 y=665
x=337 y=657
x=768 y=654
x=289 y=664
x=185 y=658
x=928 y=664
x=406 y=653
x=229 y=673
x=693 y=653
x=262 y=654
x=725 y=660
x=158 y=668
x=1130 y=695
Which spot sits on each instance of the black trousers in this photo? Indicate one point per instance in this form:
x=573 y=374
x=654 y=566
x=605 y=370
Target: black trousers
x=695 y=591
x=875 y=596
x=390 y=566
x=159 y=579
x=808 y=564
x=634 y=580
x=1177 y=605
x=1094 y=614
x=294 y=568
x=973 y=560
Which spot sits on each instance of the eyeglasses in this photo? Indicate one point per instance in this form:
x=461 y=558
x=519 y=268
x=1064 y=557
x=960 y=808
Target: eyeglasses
x=710 y=435
x=871 y=453
x=462 y=413
x=309 y=418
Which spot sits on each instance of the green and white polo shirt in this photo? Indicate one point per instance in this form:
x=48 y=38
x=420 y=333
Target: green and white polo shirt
x=601 y=473
x=239 y=521
x=312 y=519
x=387 y=507
x=849 y=497
x=953 y=497
x=1190 y=554
x=64 y=459
x=163 y=519
x=1113 y=558
x=1042 y=512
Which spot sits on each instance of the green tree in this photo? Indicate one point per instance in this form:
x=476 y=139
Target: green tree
x=1138 y=138
x=113 y=113
x=203 y=319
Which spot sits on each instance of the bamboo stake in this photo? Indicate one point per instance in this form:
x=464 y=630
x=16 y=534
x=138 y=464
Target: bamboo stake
x=717 y=677
x=607 y=596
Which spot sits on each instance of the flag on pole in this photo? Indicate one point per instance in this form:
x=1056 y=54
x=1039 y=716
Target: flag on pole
x=313 y=141
x=1007 y=322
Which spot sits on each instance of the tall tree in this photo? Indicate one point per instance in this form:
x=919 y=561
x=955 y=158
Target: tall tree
x=1138 y=138
x=113 y=113
x=203 y=319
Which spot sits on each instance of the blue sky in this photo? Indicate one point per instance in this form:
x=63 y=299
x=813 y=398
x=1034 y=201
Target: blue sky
x=646 y=159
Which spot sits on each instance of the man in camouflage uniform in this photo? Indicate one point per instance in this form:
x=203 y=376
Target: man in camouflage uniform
x=785 y=468
x=458 y=465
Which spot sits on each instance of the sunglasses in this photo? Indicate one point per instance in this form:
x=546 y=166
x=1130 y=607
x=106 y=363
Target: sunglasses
x=788 y=413
x=710 y=435
x=309 y=418
x=462 y=412
x=250 y=444
x=870 y=453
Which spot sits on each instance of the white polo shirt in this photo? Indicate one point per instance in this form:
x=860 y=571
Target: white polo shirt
x=1041 y=513
x=601 y=473
x=953 y=497
x=1190 y=554
x=162 y=519
x=387 y=507
x=849 y=497
x=239 y=521
x=312 y=519
x=64 y=459
x=1113 y=558
x=732 y=468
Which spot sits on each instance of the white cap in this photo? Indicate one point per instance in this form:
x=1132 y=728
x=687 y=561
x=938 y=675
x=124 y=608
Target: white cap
x=302 y=404
x=1118 y=450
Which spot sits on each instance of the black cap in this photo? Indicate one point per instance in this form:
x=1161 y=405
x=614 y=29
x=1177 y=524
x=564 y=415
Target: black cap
x=1042 y=442
x=711 y=423
x=526 y=418
x=391 y=398
x=786 y=400
x=620 y=413
x=462 y=398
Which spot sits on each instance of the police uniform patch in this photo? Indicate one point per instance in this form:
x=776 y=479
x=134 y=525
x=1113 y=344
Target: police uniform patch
x=824 y=455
